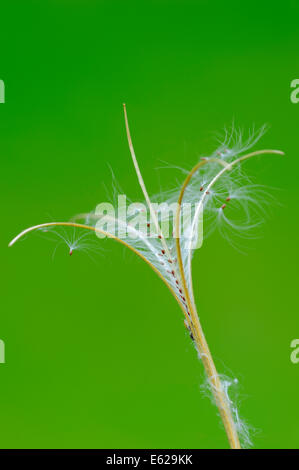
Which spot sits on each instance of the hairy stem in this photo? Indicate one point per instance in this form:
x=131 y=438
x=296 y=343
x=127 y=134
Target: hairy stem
x=203 y=348
x=220 y=396
x=215 y=382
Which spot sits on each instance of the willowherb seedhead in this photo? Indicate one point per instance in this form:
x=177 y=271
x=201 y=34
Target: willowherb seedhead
x=215 y=190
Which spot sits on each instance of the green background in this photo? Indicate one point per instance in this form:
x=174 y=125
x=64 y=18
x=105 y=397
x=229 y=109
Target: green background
x=96 y=352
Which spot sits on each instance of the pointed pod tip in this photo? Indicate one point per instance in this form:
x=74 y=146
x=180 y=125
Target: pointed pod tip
x=11 y=243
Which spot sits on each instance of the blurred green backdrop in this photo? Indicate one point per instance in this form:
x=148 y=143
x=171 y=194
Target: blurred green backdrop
x=96 y=352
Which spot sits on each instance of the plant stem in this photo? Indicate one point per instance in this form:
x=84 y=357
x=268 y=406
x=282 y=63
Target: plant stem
x=215 y=383
x=210 y=369
x=219 y=394
x=199 y=337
